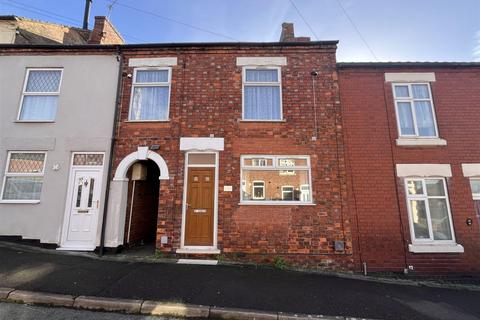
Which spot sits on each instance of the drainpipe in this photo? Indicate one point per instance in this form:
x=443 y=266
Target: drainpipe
x=112 y=145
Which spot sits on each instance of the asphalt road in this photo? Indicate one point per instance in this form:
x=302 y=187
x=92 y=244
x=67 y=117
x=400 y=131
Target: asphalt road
x=14 y=311
x=238 y=287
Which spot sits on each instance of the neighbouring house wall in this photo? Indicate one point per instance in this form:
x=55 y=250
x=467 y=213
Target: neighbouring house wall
x=83 y=123
x=376 y=195
x=206 y=99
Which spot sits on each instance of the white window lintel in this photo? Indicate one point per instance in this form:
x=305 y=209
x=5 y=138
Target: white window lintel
x=410 y=77
x=153 y=62
x=424 y=170
x=471 y=169
x=261 y=61
x=202 y=144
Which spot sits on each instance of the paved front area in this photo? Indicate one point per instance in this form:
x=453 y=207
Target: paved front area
x=14 y=311
x=238 y=287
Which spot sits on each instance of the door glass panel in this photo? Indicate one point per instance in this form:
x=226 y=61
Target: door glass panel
x=79 y=193
x=419 y=216
x=90 y=194
x=440 y=222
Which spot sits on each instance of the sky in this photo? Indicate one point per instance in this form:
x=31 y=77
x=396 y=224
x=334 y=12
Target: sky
x=368 y=30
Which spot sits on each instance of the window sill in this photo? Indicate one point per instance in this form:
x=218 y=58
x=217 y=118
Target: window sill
x=436 y=248
x=276 y=203
x=263 y=121
x=20 y=201
x=140 y=121
x=34 y=121
x=414 y=142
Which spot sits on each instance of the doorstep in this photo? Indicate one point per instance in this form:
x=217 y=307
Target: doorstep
x=198 y=251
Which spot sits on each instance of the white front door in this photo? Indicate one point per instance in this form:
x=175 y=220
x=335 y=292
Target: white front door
x=82 y=209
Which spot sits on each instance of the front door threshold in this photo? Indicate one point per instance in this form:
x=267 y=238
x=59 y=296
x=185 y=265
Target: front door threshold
x=86 y=248
x=198 y=251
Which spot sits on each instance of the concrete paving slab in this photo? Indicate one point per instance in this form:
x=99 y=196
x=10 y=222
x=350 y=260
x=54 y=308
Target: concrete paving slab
x=174 y=309
x=51 y=299
x=108 y=304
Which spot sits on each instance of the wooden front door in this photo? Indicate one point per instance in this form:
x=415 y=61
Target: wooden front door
x=200 y=206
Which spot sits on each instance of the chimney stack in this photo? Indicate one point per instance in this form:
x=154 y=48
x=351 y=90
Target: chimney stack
x=288 y=34
x=86 y=14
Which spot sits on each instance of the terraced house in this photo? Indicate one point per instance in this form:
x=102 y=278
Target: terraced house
x=265 y=152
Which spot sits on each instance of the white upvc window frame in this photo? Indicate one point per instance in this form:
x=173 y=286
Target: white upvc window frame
x=40 y=93
x=425 y=197
x=411 y=100
x=275 y=167
x=258 y=84
x=150 y=84
x=475 y=196
x=262 y=186
x=15 y=174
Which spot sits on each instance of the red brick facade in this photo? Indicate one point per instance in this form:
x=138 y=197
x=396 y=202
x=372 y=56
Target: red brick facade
x=377 y=199
x=206 y=99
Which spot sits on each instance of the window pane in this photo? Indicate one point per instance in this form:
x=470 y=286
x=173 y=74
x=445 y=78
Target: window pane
x=262 y=103
x=440 y=221
x=414 y=187
x=26 y=162
x=406 y=118
x=22 y=188
x=401 y=91
x=475 y=185
x=201 y=158
x=258 y=162
x=435 y=187
x=292 y=162
x=424 y=115
x=420 y=91
x=150 y=103
x=261 y=75
x=419 y=218
x=274 y=181
x=287 y=193
x=149 y=76
x=39 y=108
x=43 y=81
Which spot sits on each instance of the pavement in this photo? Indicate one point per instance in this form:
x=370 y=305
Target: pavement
x=244 y=287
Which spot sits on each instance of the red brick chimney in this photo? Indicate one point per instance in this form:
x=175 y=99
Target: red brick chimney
x=104 y=32
x=288 y=34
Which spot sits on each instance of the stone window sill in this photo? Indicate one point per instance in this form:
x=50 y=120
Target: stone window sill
x=436 y=248
x=20 y=201
x=418 y=142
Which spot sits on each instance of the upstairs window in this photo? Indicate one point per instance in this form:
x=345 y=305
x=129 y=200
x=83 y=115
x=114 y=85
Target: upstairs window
x=262 y=97
x=150 y=95
x=23 y=176
x=429 y=210
x=414 y=108
x=40 y=95
x=275 y=179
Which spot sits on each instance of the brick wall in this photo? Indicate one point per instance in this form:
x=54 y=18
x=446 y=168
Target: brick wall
x=206 y=99
x=377 y=201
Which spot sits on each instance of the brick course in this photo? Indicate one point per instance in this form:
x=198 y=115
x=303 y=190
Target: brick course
x=377 y=198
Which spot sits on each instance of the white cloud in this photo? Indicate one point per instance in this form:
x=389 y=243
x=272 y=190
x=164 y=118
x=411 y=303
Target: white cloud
x=476 y=48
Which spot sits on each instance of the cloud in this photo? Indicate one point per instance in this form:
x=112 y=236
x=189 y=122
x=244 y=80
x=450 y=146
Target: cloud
x=476 y=48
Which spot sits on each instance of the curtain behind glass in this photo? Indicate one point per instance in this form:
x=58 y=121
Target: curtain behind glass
x=406 y=118
x=424 y=116
x=39 y=108
x=22 y=188
x=262 y=103
x=149 y=76
x=262 y=75
x=150 y=103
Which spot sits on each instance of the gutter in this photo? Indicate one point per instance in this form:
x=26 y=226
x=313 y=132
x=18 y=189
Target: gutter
x=112 y=145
